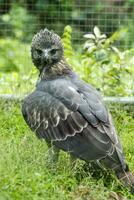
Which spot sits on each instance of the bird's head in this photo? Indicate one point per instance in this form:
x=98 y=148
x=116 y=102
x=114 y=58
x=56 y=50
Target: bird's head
x=46 y=49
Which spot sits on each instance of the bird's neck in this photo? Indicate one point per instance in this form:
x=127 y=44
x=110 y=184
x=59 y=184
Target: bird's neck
x=58 y=69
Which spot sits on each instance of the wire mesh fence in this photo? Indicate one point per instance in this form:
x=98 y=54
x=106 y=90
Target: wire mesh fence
x=23 y=18
x=20 y=20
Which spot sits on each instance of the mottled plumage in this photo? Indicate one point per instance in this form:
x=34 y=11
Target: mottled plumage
x=69 y=113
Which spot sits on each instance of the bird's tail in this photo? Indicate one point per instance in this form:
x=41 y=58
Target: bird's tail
x=127 y=178
x=117 y=163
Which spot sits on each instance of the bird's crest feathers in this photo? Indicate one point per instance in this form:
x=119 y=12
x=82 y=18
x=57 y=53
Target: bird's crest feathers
x=47 y=35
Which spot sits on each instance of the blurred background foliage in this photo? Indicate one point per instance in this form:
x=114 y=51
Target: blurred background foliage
x=27 y=16
x=101 y=63
x=105 y=62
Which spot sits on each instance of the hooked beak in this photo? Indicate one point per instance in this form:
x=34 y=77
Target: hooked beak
x=45 y=57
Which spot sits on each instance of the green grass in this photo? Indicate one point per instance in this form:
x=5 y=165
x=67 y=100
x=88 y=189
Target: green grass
x=24 y=174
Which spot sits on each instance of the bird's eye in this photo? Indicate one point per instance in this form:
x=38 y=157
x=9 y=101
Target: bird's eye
x=53 y=51
x=39 y=51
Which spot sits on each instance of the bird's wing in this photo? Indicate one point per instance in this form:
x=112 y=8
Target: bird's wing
x=98 y=108
x=63 y=111
x=50 y=118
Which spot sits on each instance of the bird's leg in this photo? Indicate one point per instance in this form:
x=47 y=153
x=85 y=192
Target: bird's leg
x=53 y=154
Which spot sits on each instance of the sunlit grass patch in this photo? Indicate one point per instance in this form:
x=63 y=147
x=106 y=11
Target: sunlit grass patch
x=24 y=173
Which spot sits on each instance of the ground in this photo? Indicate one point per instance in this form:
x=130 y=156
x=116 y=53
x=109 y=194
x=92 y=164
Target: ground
x=24 y=171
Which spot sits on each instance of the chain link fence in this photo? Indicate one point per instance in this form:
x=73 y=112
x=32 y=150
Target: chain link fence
x=25 y=17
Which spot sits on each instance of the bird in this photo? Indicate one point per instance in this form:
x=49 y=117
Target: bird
x=70 y=114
